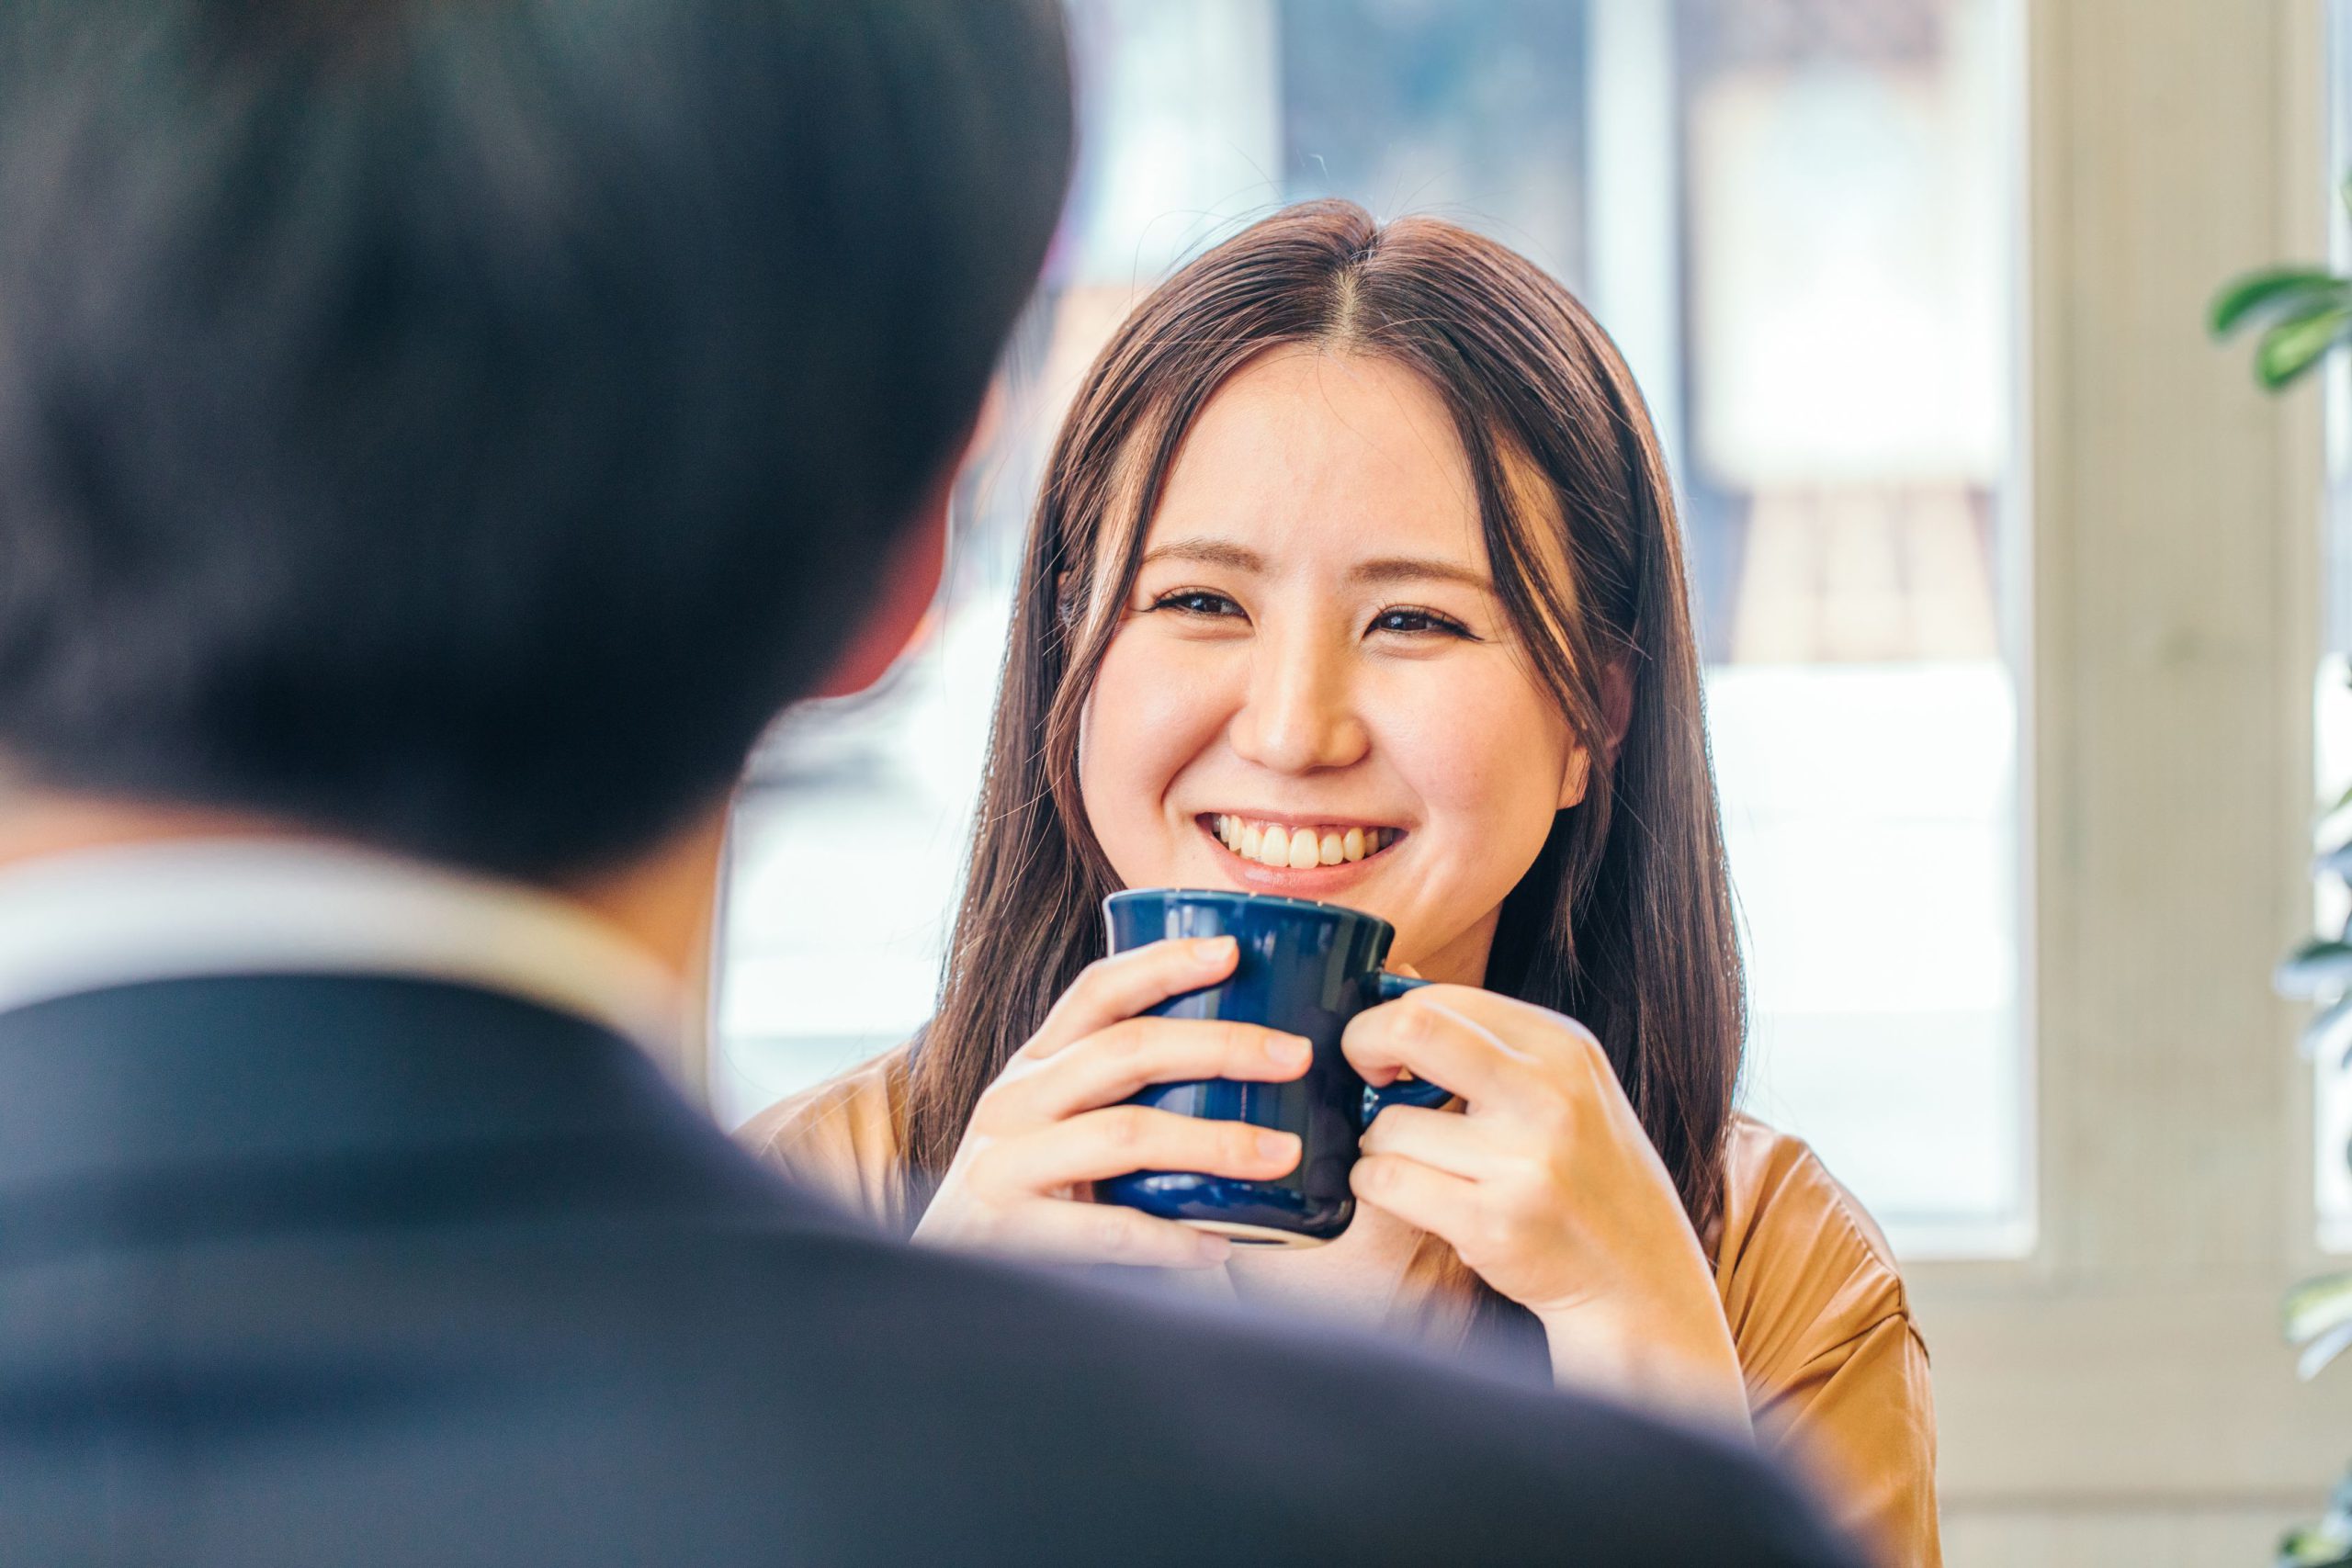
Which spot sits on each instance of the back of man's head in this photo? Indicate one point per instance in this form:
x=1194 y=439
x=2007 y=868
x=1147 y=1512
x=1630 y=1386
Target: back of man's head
x=461 y=424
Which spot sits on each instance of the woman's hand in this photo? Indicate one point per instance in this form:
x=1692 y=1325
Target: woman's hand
x=1052 y=1123
x=1549 y=1188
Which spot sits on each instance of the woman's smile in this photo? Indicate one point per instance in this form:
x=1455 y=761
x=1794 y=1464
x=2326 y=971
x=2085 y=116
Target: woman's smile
x=1303 y=856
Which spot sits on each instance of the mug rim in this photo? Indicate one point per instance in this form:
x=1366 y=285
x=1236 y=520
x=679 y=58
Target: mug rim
x=1233 y=896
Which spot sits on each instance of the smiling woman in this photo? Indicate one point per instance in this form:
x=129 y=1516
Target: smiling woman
x=1356 y=577
x=1314 y=647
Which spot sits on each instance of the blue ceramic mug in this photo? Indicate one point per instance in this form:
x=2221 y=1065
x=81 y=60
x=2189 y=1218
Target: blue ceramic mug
x=1305 y=968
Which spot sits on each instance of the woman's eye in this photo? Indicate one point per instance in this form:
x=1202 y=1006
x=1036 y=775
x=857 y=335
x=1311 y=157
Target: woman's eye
x=1196 y=602
x=1418 y=622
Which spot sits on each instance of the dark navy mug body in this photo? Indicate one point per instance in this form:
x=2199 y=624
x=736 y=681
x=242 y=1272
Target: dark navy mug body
x=1307 y=969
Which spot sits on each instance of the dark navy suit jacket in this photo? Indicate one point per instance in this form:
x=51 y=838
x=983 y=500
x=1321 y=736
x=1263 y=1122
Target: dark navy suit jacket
x=356 y=1270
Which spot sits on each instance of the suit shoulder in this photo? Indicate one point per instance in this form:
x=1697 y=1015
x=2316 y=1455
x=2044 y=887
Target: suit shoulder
x=1064 y=1371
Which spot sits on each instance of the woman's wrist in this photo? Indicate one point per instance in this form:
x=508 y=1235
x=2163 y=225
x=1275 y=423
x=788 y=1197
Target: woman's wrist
x=1683 y=1364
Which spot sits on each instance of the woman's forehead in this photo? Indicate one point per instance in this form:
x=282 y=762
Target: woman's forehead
x=1317 y=450
x=1321 y=452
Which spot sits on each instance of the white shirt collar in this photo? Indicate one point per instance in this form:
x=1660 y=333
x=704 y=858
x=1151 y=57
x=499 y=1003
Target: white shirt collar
x=92 y=919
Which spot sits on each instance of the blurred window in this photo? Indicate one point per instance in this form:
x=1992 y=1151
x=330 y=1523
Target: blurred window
x=1799 y=218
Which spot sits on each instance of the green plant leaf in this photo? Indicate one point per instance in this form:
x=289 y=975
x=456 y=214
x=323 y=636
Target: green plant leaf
x=2316 y=1305
x=2269 y=292
x=2310 y=1549
x=2299 y=342
x=2321 y=1351
x=2322 y=1031
x=2317 y=1316
x=2320 y=970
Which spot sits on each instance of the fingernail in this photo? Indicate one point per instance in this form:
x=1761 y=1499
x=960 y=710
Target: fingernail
x=1290 y=1050
x=1277 y=1145
x=1209 y=949
x=1212 y=1248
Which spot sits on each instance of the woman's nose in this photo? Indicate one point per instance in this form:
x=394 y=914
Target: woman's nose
x=1300 y=713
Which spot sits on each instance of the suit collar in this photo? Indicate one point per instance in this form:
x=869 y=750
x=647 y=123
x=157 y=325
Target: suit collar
x=285 y=1087
x=99 y=919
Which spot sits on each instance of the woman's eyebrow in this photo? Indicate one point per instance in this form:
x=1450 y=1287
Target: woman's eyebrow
x=1413 y=568
x=1208 y=552
x=1385 y=568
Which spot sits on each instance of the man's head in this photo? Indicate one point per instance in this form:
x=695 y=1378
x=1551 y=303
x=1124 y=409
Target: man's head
x=461 y=424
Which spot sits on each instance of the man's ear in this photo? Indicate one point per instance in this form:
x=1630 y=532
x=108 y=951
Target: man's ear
x=901 y=614
x=910 y=577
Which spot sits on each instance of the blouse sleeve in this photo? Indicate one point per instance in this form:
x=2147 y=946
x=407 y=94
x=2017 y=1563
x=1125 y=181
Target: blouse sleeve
x=840 y=1139
x=1861 y=1421
x=1837 y=1372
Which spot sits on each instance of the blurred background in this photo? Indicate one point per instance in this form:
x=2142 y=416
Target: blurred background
x=2016 y=596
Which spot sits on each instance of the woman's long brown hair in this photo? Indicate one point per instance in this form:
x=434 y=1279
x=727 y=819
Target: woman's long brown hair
x=1624 y=922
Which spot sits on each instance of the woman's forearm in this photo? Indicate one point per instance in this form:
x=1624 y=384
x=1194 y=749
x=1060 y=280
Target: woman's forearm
x=1682 y=1364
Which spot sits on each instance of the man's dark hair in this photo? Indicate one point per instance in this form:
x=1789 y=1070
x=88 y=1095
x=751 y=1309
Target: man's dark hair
x=462 y=424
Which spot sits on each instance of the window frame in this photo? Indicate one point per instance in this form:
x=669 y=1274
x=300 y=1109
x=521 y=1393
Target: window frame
x=2130 y=1369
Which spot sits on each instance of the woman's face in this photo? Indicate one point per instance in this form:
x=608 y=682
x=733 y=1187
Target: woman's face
x=1313 y=690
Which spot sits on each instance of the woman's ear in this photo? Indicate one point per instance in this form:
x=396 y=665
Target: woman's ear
x=1616 y=718
x=1616 y=702
x=1576 y=778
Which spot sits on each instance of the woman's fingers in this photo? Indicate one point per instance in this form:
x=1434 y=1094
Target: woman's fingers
x=1112 y=1064
x=1104 y=1232
x=1422 y=1036
x=1442 y=1204
x=1101 y=1145
x=1443 y=1140
x=1126 y=984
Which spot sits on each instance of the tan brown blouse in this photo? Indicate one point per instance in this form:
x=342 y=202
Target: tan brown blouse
x=1837 y=1372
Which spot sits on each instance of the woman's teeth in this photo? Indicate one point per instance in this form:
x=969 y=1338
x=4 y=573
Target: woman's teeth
x=1271 y=843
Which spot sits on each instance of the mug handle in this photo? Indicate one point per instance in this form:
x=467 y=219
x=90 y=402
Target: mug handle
x=1404 y=1091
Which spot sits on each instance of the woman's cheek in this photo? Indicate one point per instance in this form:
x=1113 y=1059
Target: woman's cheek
x=1152 y=712
x=1485 y=757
